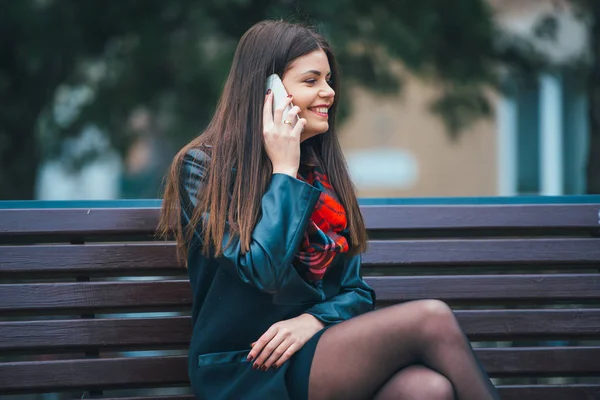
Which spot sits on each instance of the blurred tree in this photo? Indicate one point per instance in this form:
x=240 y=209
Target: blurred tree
x=111 y=58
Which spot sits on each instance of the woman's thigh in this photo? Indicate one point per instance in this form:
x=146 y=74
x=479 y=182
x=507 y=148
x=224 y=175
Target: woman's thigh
x=357 y=357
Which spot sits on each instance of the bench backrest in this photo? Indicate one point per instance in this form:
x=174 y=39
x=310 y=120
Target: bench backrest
x=91 y=303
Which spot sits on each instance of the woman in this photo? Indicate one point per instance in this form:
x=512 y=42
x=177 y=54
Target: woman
x=267 y=216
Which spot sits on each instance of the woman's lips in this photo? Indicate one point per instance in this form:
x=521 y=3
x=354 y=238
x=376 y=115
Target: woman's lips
x=324 y=115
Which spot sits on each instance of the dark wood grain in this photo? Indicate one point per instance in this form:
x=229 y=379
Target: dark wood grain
x=158 y=371
x=99 y=221
x=536 y=324
x=550 y=392
x=52 y=335
x=464 y=252
x=516 y=392
x=523 y=216
x=92 y=374
x=535 y=236
x=78 y=221
x=540 y=361
x=160 y=256
x=182 y=397
x=520 y=392
x=477 y=288
x=89 y=296
x=79 y=335
x=119 y=258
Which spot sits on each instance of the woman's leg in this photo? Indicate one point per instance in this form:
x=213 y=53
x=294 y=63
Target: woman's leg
x=416 y=383
x=356 y=358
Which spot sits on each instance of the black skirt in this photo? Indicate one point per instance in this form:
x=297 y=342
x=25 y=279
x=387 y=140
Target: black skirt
x=298 y=372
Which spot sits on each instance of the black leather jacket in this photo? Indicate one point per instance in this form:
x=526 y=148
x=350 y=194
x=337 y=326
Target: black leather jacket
x=237 y=297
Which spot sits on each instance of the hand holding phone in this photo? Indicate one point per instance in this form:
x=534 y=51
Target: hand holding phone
x=281 y=137
x=280 y=96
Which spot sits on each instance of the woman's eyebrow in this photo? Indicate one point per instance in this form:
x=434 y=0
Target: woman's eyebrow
x=314 y=71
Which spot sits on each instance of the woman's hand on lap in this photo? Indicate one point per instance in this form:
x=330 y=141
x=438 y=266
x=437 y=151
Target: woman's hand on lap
x=282 y=340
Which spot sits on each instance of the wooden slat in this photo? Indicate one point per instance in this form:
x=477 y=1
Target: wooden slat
x=534 y=287
x=118 y=258
x=64 y=335
x=182 y=397
x=157 y=371
x=89 y=296
x=161 y=256
x=92 y=374
x=107 y=221
x=541 y=324
x=513 y=392
x=540 y=361
x=55 y=335
x=483 y=252
x=523 y=216
x=550 y=392
x=78 y=221
x=112 y=295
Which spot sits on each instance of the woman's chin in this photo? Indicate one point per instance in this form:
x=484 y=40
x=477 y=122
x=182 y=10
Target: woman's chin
x=317 y=129
x=309 y=132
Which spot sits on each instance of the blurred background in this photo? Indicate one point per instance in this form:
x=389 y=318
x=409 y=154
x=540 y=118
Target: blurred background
x=440 y=98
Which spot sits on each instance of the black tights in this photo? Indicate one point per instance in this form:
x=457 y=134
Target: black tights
x=411 y=351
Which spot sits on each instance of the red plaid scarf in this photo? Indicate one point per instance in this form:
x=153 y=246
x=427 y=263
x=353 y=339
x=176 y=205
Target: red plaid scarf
x=325 y=235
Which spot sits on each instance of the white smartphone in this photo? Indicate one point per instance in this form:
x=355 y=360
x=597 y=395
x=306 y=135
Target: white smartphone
x=279 y=95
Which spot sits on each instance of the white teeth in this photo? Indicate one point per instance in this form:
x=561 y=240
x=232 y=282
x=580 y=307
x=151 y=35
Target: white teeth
x=322 y=110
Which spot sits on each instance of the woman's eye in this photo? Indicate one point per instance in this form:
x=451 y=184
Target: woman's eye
x=313 y=81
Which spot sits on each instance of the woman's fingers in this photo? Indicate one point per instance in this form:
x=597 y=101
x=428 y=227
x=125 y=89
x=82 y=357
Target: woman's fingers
x=281 y=142
x=261 y=343
x=287 y=354
x=278 y=115
x=268 y=111
x=299 y=127
x=268 y=350
x=281 y=354
x=292 y=115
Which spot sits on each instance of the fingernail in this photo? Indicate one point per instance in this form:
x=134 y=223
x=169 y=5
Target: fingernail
x=289 y=96
x=264 y=368
x=255 y=366
x=268 y=92
x=249 y=358
x=275 y=367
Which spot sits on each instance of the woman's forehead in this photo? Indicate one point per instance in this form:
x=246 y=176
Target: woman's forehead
x=315 y=61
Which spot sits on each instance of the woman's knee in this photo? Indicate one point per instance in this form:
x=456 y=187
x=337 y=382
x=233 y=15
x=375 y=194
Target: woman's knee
x=438 y=321
x=418 y=382
x=439 y=387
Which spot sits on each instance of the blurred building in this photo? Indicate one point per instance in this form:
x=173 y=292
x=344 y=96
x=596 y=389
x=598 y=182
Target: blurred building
x=534 y=144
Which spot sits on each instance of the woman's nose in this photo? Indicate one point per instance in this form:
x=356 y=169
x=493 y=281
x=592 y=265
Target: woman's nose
x=327 y=92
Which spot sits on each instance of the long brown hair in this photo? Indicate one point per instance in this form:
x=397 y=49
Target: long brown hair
x=235 y=137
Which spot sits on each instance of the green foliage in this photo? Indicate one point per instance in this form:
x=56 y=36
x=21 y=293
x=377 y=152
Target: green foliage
x=172 y=57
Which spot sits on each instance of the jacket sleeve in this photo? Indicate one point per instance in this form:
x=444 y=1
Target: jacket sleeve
x=355 y=297
x=286 y=208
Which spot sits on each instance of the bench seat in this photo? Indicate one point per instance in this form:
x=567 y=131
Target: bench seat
x=91 y=304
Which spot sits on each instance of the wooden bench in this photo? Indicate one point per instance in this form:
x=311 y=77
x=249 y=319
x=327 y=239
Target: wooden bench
x=91 y=305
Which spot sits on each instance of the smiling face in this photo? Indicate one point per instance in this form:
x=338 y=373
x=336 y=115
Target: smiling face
x=307 y=79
